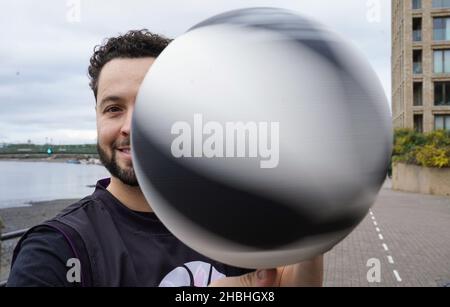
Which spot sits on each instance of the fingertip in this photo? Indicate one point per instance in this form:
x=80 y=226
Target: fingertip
x=266 y=277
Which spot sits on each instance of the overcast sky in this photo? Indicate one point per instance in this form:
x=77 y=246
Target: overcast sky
x=45 y=48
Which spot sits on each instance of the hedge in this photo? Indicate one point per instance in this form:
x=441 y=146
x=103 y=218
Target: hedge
x=424 y=149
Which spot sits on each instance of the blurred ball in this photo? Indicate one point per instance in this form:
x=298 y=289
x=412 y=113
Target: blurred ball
x=261 y=138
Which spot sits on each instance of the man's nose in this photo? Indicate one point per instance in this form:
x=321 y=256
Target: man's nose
x=126 y=127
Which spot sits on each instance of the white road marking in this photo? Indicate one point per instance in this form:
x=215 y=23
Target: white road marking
x=397 y=276
x=389 y=257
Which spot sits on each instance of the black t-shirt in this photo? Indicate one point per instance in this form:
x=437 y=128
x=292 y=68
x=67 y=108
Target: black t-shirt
x=165 y=261
x=42 y=260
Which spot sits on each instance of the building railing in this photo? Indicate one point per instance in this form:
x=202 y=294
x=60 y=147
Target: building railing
x=417 y=68
x=417 y=35
x=10 y=236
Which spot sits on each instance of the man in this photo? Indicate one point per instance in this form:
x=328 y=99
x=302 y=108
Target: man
x=112 y=237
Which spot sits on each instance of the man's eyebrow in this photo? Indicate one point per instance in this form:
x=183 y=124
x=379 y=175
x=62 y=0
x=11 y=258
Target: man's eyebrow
x=110 y=98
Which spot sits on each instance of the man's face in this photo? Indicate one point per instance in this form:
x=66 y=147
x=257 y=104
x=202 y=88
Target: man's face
x=118 y=86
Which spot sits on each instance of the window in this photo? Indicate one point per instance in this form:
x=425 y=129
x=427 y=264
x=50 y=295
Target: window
x=442 y=93
x=441 y=3
x=417 y=29
x=441 y=28
x=441 y=61
x=417 y=93
x=418 y=123
x=417 y=61
x=416 y=4
x=442 y=122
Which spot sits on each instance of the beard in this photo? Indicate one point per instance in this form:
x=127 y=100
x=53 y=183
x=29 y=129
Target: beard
x=127 y=176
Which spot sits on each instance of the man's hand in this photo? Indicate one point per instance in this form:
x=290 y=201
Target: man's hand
x=308 y=273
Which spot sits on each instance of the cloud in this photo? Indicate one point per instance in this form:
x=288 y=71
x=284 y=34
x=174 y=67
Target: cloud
x=44 y=88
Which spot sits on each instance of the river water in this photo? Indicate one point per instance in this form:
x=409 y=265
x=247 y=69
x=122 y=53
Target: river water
x=22 y=182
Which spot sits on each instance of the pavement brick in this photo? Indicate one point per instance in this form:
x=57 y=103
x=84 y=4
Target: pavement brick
x=416 y=230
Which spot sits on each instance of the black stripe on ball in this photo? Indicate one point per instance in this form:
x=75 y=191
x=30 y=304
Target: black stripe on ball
x=233 y=214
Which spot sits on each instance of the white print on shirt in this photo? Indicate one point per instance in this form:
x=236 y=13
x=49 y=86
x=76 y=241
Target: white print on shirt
x=191 y=274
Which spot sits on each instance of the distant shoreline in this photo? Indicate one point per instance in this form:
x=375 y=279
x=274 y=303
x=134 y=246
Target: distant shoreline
x=82 y=159
x=34 y=160
x=45 y=156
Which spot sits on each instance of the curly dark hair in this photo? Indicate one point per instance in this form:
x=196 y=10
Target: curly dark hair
x=133 y=44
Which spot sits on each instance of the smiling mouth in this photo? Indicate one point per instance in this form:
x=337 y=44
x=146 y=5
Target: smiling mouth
x=124 y=150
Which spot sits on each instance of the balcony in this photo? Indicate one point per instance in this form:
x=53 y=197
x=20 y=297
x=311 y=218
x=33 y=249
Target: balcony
x=417 y=29
x=417 y=68
x=417 y=61
x=417 y=35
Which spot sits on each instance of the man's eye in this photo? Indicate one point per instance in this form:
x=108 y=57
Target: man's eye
x=112 y=110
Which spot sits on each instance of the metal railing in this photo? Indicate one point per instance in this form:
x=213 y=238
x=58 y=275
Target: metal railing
x=10 y=236
x=417 y=35
x=417 y=67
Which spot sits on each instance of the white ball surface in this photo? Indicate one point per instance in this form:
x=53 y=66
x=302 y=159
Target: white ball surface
x=312 y=138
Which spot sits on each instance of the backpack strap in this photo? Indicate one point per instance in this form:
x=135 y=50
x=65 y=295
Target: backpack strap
x=79 y=249
x=75 y=243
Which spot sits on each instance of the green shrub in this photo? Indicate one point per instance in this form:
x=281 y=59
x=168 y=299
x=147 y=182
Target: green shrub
x=430 y=150
x=430 y=156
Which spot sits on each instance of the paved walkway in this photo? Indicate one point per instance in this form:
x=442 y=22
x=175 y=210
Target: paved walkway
x=410 y=236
